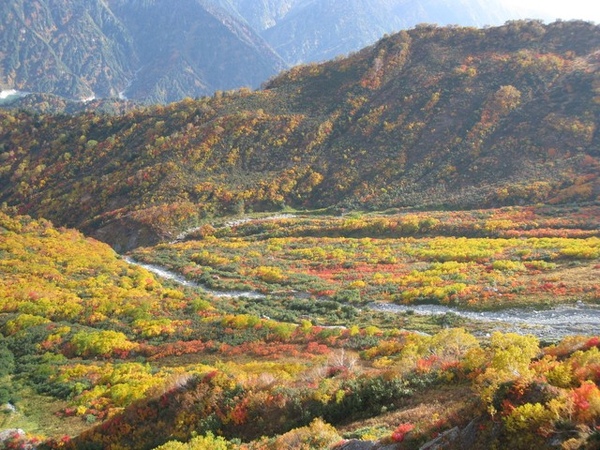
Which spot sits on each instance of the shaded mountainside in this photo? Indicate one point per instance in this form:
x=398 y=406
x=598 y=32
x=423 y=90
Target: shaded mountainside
x=162 y=51
x=75 y=49
x=200 y=48
x=323 y=29
x=431 y=117
x=145 y=50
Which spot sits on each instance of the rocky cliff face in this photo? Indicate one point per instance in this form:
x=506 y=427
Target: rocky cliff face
x=77 y=49
x=265 y=14
x=149 y=50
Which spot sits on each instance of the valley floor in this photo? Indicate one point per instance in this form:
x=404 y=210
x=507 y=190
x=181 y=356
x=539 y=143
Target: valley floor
x=306 y=329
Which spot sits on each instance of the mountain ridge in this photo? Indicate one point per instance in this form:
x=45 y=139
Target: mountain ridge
x=154 y=51
x=432 y=117
x=112 y=49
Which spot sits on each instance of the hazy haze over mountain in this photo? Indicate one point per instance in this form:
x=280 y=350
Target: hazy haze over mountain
x=556 y=9
x=317 y=30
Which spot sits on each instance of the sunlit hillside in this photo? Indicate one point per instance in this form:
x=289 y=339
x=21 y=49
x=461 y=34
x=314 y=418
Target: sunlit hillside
x=98 y=352
x=398 y=249
x=431 y=117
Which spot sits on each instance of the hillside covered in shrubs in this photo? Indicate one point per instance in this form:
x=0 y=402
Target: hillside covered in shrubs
x=430 y=117
x=99 y=353
x=274 y=253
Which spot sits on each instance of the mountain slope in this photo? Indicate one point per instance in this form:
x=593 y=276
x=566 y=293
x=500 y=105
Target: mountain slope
x=432 y=117
x=198 y=50
x=146 y=50
x=318 y=30
x=74 y=49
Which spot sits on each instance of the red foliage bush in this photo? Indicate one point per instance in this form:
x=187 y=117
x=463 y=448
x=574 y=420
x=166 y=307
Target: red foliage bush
x=592 y=342
x=401 y=431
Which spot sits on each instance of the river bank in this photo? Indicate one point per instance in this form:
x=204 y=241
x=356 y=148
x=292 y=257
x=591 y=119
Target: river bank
x=549 y=324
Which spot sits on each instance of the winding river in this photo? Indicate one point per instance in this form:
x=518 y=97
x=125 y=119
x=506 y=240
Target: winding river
x=551 y=324
x=169 y=275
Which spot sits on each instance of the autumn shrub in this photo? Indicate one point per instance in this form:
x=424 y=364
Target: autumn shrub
x=401 y=431
x=23 y=321
x=316 y=436
x=580 y=366
x=509 y=266
x=19 y=440
x=199 y=305
x=100 y=343
x=560 y=374
x=270 y=274
x=206 y=442
x=508 y=358
x=586 y=402
x=529 y=425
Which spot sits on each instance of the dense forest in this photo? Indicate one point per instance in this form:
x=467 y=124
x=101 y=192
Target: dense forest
x=275 y=252
x=430 y=117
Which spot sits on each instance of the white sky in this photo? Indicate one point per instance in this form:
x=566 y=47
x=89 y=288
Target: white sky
x=561 y=9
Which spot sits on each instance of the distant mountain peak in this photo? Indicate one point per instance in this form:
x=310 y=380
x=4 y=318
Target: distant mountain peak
x=152 y=50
